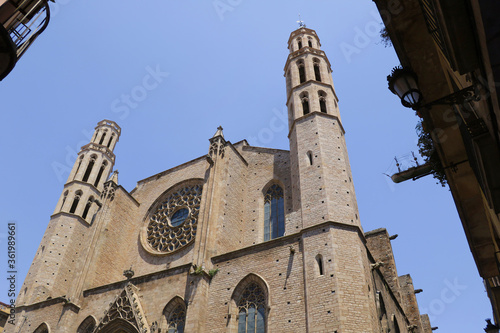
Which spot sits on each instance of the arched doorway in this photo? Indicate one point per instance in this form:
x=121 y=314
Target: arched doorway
x=118 y=326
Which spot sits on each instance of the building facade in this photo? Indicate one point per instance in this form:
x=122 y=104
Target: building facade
x=453 y=49
x=243 y=239
x=21 y=22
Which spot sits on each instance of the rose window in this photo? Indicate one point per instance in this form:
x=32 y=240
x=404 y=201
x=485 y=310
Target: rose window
x=174 y=221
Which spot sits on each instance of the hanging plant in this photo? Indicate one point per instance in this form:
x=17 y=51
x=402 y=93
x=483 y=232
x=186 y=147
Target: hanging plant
x=429 y=153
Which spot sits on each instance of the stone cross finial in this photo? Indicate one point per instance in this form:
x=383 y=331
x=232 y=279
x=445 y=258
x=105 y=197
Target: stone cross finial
x=219 y=132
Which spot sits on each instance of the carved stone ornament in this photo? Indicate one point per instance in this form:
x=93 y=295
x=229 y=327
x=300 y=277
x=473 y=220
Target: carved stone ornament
x=109 y=191
x=174 y=221
x=126 y=307
x=217 y=145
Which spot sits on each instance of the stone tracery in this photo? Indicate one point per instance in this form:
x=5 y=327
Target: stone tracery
x=165 y=237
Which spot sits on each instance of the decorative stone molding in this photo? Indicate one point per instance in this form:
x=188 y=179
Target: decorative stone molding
x=126 y=307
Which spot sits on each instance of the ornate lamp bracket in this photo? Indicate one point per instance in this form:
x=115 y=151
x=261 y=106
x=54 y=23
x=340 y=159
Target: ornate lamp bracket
x=468 y=94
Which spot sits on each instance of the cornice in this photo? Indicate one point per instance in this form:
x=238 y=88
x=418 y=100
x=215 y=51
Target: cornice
x=315 y=113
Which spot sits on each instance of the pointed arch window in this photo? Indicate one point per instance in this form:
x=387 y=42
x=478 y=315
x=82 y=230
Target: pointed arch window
x=299 y=43
x=252 y=310
x=177 y=320
x=310 y=157
x=322 y=101
x=274 y=213
x=87 y=326
x=110 y=140
x=175 y=316
x=396 y=325
x=317 y=73
x=43 y=328
x=80 y=160
x=302 y=71
x=304 y=98
x=87 y=207
x=99 y=175
x=64 y=199
x=102 y=137
x=78 y=195
x=309 y=42
x=89 y=168
x=381 y=306
x=319 y=262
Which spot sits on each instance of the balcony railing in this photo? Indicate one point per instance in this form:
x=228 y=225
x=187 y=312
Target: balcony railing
x=21 y=23
x=433 y=26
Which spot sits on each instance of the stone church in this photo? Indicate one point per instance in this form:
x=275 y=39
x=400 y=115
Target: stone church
x=243 y=239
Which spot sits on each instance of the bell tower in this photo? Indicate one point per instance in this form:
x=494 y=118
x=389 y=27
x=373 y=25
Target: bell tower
x=91 y=169
x=322 y=182
x=61 y=253
x=336 y=269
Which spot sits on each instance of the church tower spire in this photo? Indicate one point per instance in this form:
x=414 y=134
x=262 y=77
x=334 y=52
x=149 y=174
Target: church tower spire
x=321 y=174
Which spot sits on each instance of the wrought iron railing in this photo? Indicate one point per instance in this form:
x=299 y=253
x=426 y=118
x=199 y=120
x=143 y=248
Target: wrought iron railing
x=26 y=23
x=431 y=20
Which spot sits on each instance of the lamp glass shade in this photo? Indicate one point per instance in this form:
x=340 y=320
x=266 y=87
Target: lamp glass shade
x=403 y=83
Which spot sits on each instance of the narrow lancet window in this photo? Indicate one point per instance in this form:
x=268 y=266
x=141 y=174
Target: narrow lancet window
x=87 y=207
x=319 y=261
x=299 y=43
x=396 y=326
x=110 y=140
x=64 y=199
x=305 y=103
x=310 y=157
x=252 y=310
x=302 y=71
x=274 y=213
x=102 y=138
x=75 y=202
x=78 y=167
x=99 y=175
x=322 y=101
x=89 y=168
x=317 y=73
x=309 y=42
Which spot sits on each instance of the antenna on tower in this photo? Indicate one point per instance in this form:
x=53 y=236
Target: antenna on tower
x=301 y=23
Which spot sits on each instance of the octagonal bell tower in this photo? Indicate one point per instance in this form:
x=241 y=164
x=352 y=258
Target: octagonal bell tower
x=322 y=181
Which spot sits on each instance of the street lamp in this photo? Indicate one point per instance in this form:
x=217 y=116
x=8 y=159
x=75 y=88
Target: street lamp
x=403 y=82
x=490 y=328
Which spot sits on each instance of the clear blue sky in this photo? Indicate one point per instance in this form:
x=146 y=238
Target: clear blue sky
x=225 y=62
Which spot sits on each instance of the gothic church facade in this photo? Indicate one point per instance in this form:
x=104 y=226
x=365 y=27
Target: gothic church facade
x=244 y=239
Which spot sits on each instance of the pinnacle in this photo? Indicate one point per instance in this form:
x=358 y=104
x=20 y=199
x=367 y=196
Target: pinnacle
x=219 y=132
x=114 y=177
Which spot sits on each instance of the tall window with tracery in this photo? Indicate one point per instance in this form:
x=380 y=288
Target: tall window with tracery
x=274 y=213
x=252 y=310
x=177 y=320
